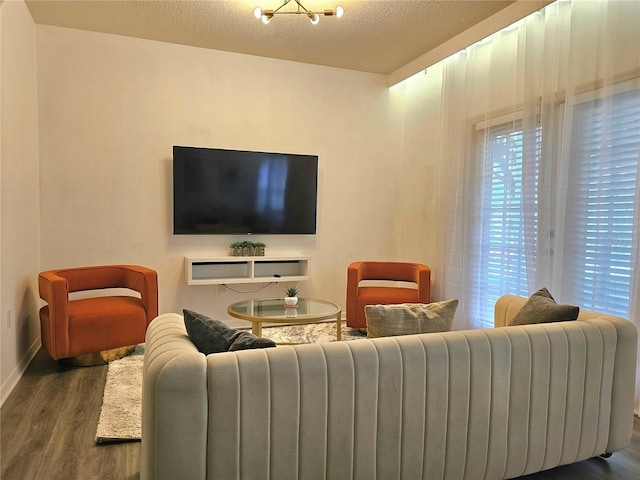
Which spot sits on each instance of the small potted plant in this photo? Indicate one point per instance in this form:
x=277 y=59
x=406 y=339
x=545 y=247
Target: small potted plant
x=236 y=249
x=259 y=248
x=247 y=248
x=291 y=298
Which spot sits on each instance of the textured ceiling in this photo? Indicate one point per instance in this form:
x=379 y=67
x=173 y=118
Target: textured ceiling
x=372 y=36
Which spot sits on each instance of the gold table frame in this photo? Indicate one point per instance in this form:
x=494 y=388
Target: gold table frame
x=273 y=310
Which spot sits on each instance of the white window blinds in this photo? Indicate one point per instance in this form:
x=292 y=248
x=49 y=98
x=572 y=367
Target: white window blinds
x=600 y=221
x=505 y=216
x=601 y=215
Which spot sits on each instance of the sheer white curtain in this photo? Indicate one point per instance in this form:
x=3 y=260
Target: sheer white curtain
x=504 y=92
x=538 y=162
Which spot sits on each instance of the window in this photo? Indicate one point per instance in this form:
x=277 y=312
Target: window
x=598 y=226
x=505 y=207
x=601 y=208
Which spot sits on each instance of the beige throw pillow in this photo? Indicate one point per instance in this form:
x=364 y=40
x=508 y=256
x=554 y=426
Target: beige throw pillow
x=409 y=318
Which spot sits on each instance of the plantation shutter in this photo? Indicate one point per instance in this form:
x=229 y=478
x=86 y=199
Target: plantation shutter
x=504 y=224
x=601 y=215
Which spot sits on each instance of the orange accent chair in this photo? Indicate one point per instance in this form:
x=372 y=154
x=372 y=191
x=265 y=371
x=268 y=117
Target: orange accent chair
x=74 y=327
x=359 y=296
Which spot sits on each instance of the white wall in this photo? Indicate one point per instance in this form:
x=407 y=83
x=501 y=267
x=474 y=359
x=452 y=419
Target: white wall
x=19 y=220
x=419 y=179
x=111 y=108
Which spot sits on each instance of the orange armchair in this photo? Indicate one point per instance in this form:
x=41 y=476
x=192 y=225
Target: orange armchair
x=359 y=296
x=70 y=328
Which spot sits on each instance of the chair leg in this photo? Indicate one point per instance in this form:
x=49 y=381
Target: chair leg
x=97 y=358
x=85 y=360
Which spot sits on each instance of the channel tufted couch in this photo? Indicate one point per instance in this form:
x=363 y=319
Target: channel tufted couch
x=490 y=403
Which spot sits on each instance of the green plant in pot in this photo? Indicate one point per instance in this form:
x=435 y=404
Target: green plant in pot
x=236 y=248
x=247 y=248
x=291 y=298
x=259 y=248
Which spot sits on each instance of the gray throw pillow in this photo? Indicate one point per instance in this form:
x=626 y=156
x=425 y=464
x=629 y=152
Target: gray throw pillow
x=213 y=336
x=246 y=340
x=409 y=318
x=542 y=308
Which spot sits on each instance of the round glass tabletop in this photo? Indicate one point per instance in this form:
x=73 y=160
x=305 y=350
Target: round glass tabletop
x=273 y=310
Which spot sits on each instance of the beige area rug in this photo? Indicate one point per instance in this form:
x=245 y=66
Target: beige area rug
x=318 y=332
x=122 y=400
x=120 y=416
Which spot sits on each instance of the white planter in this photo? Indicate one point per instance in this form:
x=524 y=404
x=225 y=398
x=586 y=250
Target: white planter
x=290 y=301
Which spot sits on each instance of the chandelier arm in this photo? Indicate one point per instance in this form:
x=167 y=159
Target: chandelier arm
x=302 y=6
x=301 y=10
x=298 y=13
x=284 y=4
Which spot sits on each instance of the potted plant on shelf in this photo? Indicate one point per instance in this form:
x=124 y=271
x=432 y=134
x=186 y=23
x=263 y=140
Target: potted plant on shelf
x=291 y=298
x=236 y=249
x=247 y=248
x=259 y=248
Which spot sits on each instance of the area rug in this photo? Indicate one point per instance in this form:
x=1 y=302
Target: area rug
x=120 y=416
x=317 y=332
x=122 y=400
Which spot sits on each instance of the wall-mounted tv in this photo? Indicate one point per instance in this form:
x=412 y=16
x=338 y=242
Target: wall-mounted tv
x=218 y=191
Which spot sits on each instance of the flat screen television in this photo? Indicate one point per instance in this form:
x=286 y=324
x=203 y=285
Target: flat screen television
x=217 y=191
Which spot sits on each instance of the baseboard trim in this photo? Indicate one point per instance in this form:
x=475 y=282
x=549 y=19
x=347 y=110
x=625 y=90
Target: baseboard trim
x=11 y=382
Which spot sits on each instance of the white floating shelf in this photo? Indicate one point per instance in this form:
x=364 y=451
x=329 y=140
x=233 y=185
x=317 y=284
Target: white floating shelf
x=206 y=270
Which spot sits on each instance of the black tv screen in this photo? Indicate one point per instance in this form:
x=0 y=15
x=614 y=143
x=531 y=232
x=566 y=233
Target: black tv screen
x=218 y=191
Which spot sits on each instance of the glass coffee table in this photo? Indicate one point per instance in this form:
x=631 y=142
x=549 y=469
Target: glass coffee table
x=273 y=310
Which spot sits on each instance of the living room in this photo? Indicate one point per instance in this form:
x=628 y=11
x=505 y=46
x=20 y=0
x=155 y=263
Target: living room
x=88 y=124
x=92 y=163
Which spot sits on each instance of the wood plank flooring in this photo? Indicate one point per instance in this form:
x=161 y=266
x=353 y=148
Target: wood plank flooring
x=48 y=427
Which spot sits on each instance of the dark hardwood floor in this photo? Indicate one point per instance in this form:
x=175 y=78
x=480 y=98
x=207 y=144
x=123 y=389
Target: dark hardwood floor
x=48 y=426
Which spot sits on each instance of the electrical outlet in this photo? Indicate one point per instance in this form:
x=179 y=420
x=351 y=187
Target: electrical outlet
x=8 y=319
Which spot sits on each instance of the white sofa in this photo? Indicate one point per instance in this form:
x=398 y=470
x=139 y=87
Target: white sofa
x=491 y=403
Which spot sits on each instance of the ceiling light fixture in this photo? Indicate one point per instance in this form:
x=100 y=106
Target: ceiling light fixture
x=314 y=17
